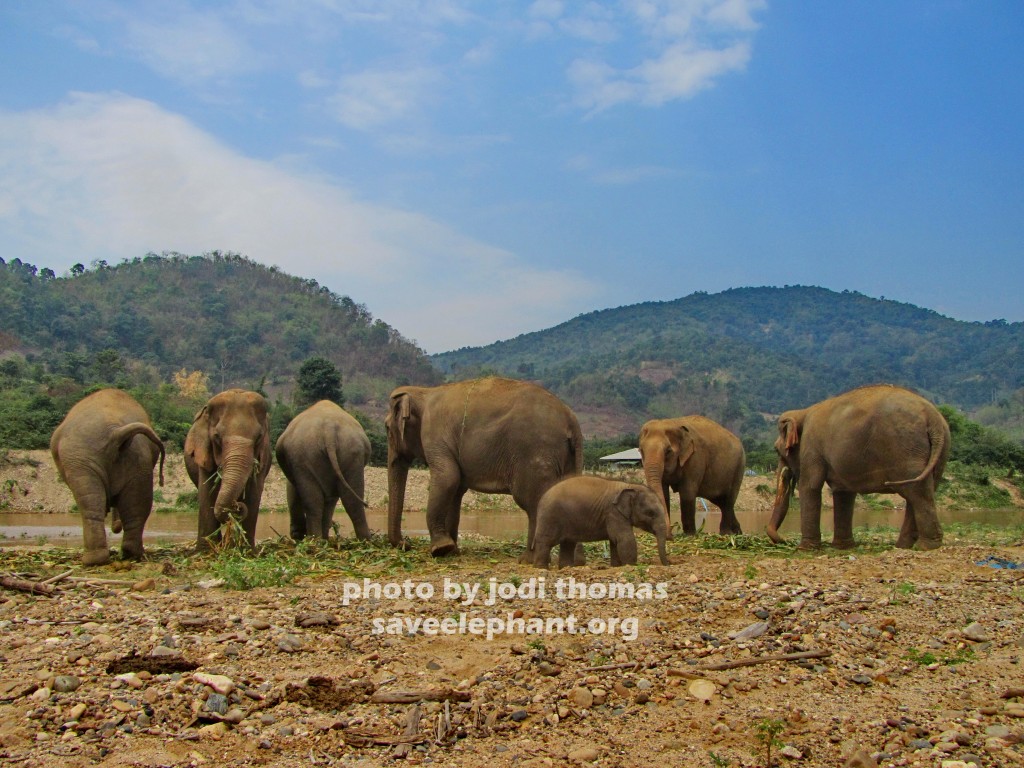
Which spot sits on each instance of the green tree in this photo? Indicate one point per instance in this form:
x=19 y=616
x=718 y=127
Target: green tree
x=319 y=379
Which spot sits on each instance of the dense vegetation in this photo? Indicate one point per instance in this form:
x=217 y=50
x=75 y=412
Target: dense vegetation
x=173 y=329
x=241 y=323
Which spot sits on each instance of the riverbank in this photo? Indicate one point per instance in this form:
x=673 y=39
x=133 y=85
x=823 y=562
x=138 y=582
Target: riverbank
x=353 y=653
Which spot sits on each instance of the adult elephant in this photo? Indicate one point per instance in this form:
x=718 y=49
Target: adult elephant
x=694 y=456
x=105 y=450
x=323 y=453
x=874 y=439
x=227 y=455
x=492 y=435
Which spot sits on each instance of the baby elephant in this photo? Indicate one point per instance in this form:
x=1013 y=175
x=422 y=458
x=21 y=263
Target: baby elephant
x=587 y=508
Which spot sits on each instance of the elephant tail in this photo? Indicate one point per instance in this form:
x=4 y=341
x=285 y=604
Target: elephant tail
x=937 y=438
x=333 y=456
x=126 y=432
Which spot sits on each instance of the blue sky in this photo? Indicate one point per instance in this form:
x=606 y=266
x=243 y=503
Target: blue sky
x=475 y=169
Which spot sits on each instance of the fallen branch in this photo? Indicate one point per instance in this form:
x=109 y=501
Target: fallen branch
x=412 y=729
x=58 y=577
x=411 y=697
x=361 y=737
x=634 y=665
x=761 y=660
x=90 y=581
x=24 y=585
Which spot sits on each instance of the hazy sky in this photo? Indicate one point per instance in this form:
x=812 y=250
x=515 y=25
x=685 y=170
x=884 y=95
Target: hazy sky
x=476 y=169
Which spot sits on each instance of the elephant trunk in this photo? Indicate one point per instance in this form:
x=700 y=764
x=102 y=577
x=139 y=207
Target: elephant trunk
x=654 y=471
x=661 y=534
x=235 y=471
x=398 y=473
x=785 y=482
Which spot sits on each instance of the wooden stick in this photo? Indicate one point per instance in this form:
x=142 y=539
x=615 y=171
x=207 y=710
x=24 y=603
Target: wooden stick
x=411 y=697
x=24 y=585
x=58 y=577
x=607 y=667
x=761 y=660
x=104 y=582
x=412 y=730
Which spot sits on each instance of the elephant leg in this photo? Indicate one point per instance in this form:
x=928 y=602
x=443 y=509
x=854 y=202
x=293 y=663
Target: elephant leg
x=527 y=499
x=296 y=513
x=566 y=553
x=354 y=507
x=729 y=524
x=613 y=550
x=253 y=496
x=908 y=530
x=442 y=509
x=330 y=503
x=842 y=519
x=625 y=548
x=579 y=555
x=810 y=516
x=921 y=505
x=134 y=505
x=209 y=528
x=91 y=498
x=688 y=511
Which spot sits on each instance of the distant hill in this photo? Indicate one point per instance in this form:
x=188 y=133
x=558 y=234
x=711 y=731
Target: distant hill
x=238 y=321
x=747 y=353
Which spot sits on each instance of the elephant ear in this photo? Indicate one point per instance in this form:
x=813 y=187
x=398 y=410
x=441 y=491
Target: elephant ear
x=197 y=443
x=401 y=411
x=682 y=443
x=789 y=431
x=625 y=503
x=263 y=453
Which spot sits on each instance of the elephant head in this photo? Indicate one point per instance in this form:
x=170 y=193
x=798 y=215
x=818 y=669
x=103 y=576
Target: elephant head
x=787 y=445
x=642 y=508
x=664 y=450
x=231 y=434
x=404 y=445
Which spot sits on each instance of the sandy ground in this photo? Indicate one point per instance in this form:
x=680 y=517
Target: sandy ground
x=889 y=657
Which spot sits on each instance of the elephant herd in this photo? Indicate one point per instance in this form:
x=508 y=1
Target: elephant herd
x=502 y=436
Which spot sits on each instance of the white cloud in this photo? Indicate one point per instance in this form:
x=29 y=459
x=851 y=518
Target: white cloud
x=368 y=100
x=113 y=177
x=694 y=42
x=191 y=47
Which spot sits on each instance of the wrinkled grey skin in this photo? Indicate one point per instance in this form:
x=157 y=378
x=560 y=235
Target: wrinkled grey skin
x=588 y=508
x=491 y=435
x=227 y=455
x=323 y=453
x=105 y=450
x=874 y=439
x=694 y=456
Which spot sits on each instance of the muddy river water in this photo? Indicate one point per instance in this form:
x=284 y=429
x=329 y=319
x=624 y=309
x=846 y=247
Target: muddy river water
x=174 y=527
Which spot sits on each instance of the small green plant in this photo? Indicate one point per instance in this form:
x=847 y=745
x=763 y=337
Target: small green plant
x=924 y=659
x=750 y=572
x=767 y=732
x=718 y=761
x=515 y=580
x=537 y=644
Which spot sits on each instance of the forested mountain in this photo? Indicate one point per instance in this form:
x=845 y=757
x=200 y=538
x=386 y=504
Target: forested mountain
x=241 y=323
x=739 y=355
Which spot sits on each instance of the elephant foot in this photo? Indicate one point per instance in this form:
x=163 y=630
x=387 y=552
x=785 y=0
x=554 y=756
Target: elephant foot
x=131 y=553
x=929 y=544
x=843 y=544
x=732 y=530
x=442 y=546
x=773 y=534
x=905 y=543
x=807 y=545
x=96 y=557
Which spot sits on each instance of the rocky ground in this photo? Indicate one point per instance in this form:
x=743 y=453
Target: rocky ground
x=871 y=657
